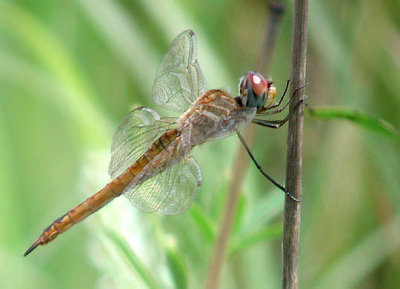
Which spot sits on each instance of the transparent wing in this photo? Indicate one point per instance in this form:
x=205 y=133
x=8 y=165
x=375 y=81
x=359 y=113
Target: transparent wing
x=171 y=192
x=134 y=135
x=179 y=80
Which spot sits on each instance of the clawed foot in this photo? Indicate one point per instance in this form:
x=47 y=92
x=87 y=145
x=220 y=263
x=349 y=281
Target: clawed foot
x=291 y=196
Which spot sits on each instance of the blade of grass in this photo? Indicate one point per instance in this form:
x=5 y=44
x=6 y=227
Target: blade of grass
x=46 y=89
x=265 y=234
x=267 y=209
x=78 y=97
x=125 y=38
x=363 y=119
x=177 y=267
x=203 y=223
x=131 y=257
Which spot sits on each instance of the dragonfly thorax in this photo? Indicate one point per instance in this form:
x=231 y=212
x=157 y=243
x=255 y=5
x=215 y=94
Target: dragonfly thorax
x=255 y=91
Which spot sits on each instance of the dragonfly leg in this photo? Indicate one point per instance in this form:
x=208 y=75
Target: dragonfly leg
x=275 y=104
x=267 y=110
x=277 y=123
x=283 y=189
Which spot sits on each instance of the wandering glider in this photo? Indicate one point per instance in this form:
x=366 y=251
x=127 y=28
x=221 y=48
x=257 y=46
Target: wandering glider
x=151 y=156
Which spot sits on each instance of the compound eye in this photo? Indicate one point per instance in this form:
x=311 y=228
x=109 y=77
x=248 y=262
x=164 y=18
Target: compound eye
x=257 y=83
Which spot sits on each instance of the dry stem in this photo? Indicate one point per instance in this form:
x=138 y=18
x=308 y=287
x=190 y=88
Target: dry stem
x=294 y=149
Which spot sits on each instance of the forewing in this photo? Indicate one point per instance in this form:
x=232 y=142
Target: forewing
x=171 y=192
x=179 y=80
x=134 y=135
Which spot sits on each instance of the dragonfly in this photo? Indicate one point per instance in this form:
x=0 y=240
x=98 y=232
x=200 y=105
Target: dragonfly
x=151 y=156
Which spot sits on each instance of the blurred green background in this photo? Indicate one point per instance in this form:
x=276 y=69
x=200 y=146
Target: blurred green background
x=71 y=70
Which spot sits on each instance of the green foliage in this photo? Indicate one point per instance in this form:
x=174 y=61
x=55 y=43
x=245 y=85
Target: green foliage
x=260 y=236
x=177 y=267
x=71 y=70
x=360 y=118
x=204 y=225
x=134 y=262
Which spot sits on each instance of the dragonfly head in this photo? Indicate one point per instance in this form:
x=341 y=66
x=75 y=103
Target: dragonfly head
x=255 y=91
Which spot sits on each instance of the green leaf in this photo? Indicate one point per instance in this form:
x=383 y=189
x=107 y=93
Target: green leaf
x=269 y=233
x=203 y=223
x=177 y=267
x=367 y=121
x=266 y=209
x=131 y=257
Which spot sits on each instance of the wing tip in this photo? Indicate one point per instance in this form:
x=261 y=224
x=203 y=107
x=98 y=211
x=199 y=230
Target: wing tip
x=189 y=32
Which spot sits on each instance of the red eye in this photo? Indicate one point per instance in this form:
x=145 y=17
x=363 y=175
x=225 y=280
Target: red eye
x=258 y=83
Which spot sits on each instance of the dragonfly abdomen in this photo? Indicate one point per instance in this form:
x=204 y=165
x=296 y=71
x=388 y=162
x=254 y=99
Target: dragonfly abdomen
x=160 y=155
x=112 y=190
x=80 y=212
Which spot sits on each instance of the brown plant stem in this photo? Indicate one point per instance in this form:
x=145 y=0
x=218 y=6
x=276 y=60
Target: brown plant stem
x=291 y=225
x=228 y=216
x=275 y=12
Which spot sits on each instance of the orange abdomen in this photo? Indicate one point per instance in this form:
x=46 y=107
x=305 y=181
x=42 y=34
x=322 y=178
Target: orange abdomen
x=112 y=190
